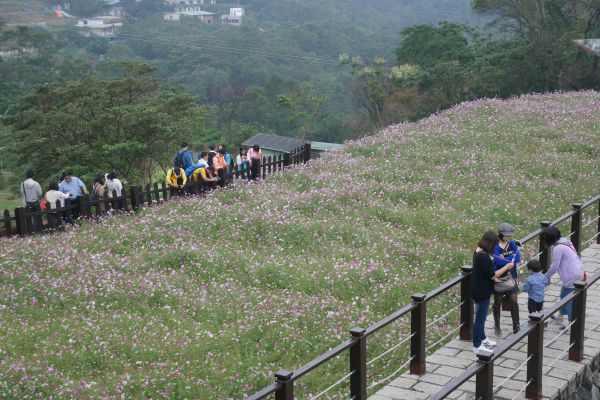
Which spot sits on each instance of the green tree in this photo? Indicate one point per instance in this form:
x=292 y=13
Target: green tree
x=94 y=125
x=304 y=108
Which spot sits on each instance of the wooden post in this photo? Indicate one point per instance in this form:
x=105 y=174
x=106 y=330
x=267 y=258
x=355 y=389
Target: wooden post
x=84 y=206
x=148 y=194
x=124 y=202
x=286 y=392
x=535 y=349
x=418 y=330
x=68 y=214
x=270 y=160
x=264 y=167
x=576 y=227
x=21 y=221
x=358 y=364
x=135 y=195
x=484 y=381
x=307 y=148
x=286 y=161
x=163 y=188
x=578 y=327
x=156 y=193
x=7 y=227
x=466 y=308
x=545 y=256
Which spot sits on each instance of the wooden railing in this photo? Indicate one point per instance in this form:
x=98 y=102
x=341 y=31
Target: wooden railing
x=26 y=222
x=356 y=345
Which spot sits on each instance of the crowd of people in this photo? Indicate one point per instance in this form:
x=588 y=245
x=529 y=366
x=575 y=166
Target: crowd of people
x=213 y=167
x=495 y=274
x=105 y=186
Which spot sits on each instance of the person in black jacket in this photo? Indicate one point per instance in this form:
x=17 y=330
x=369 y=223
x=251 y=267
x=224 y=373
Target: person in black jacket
x=482 y=287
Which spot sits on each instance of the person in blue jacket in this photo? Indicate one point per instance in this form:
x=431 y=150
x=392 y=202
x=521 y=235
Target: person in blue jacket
x=506 y=252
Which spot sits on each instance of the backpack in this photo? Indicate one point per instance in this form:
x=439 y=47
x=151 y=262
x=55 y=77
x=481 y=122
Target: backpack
x=178 y=161
x=44 y=205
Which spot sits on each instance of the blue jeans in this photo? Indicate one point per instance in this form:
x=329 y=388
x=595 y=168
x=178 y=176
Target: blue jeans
x=481 y=312
x=567 y=309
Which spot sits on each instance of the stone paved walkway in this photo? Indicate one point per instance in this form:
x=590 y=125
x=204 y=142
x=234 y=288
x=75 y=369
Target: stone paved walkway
x=451 y=360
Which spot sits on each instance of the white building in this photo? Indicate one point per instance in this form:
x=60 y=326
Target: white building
x=105 y=26
x=234 y=17
x=113 y=7
x=175 y=9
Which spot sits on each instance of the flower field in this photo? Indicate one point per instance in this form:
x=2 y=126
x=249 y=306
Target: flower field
x=206 y=298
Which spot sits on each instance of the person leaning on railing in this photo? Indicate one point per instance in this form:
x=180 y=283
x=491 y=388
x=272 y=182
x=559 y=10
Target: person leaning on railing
x=567 y=263
x=482 y=286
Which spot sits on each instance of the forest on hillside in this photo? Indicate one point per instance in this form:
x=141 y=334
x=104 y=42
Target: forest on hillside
x=327 y=71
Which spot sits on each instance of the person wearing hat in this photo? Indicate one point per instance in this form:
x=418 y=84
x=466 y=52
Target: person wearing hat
x=506 y=252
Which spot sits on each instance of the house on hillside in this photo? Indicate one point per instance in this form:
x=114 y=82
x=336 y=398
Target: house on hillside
x=234 y=17
x=175 y=9
x=275 y=145
x=104 y=26
x=113 y=8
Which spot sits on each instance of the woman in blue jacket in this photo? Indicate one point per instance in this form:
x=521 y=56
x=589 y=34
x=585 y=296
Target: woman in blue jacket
x=506 y=252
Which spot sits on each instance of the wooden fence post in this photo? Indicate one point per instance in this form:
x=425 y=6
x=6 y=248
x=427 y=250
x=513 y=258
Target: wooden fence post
x=165 y=194
x=535 y=350
x=576 y=227
x=68 y=214
x=466 y=307
x=148 y=194
x=7 y=227
x=286 y=392
x=578 y=327
x=418 y=330
x=135 y=195
x=545 y=256
x=286 y=160
x=84 y=206
x=358 y=364
x=270 y=160
x=264 y=167
x=307 y=149
x=484 y=381
x=21 y=221
x=156 y=193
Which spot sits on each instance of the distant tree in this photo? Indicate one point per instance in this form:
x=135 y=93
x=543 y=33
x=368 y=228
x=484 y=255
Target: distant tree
x=549 y=28
x=304 y=107
x=95 y=125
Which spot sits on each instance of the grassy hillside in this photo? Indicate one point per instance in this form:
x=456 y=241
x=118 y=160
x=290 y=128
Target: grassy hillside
x=205 y=298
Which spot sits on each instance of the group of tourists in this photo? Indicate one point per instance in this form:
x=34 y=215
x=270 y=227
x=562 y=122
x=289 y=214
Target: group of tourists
x=495 y=273
x=213 y=167
x=105 y=186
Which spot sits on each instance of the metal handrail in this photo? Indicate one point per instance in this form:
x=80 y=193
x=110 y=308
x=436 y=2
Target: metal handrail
x=407 y=309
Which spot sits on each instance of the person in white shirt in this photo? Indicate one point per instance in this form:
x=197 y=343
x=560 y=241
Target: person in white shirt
x=52 y=196
x=114 y=185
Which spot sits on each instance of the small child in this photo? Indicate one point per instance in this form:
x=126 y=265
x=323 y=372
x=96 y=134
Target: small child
x=534 y=286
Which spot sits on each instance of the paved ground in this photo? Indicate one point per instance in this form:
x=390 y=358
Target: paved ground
x=449 y=361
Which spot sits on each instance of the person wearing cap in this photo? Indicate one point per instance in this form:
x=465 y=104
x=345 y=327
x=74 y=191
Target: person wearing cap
x=506 y=252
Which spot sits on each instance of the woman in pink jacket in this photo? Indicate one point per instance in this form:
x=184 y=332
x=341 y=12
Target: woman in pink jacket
x=567 y=263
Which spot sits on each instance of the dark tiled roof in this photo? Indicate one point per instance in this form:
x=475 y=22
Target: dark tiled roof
x=274 y=142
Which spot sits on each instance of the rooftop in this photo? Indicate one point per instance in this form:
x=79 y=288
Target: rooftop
x=274 y=142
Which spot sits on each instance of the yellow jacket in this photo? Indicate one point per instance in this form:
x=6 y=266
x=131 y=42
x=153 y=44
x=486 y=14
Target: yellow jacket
x=172 y=178
x=197 y=172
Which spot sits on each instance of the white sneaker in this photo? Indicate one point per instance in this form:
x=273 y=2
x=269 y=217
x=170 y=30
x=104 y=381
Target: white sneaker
x=480 y=348
x=488 y=342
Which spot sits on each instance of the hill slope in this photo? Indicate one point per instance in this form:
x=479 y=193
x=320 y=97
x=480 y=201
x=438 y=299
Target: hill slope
x=203 y=298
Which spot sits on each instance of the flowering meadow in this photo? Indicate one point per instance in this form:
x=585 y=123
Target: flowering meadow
x=205 y=298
